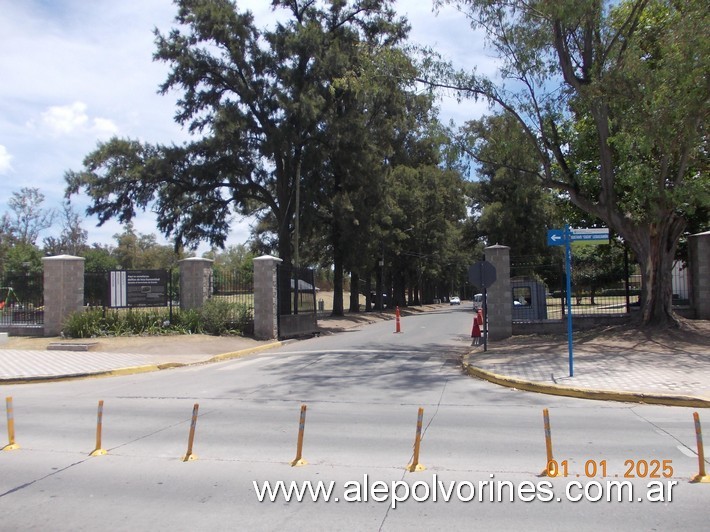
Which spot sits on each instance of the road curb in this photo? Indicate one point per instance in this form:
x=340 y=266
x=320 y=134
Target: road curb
x=586 y=393
x=243 y=352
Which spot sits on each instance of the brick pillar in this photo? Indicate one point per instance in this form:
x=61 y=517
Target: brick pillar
x=699 y=262
x=195 y=282
x=63 y=290
x=265 y=298
x=499 y=296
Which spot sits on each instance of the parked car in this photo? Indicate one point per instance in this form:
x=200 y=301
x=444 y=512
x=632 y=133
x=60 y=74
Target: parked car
x=477 y=301
x=455 y=300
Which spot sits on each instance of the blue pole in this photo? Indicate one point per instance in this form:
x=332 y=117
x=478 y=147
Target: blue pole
x=568 y=268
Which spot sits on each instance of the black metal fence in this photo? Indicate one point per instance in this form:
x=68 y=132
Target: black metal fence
x=605 y=281
x=297 y=311
x=236 y=288
x=599 y=287
x=22 y=298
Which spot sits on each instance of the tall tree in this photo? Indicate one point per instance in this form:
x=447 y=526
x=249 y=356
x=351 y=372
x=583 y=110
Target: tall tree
x=73 y=238
x=138 y=251
x=367 y=104
x=256 y=99
x=615 y=98
x=509 y=203
x=29 y=218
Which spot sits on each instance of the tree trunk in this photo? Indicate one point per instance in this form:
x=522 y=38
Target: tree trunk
x=354 y=292
x=337 y=279
x=654 y=246
x=284 y=250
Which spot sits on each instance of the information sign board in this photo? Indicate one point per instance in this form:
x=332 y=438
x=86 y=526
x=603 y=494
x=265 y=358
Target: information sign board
x=138 y=288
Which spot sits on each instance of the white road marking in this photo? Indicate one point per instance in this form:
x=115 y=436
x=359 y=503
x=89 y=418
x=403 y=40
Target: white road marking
x=687 y=452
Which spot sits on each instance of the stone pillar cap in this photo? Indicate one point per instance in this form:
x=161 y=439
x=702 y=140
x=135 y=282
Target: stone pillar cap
x=268 y=257
x=63 y=257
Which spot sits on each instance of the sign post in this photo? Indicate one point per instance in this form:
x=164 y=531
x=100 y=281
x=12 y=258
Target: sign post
x=565 y=237
x=568 y=275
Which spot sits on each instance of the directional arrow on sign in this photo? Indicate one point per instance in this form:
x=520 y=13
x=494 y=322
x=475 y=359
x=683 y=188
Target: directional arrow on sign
x=555 y=237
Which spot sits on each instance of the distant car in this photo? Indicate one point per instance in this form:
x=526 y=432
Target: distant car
x=455 y=300
x=478 y=301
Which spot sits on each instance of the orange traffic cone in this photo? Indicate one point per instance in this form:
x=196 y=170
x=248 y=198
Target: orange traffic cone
x=398 y=328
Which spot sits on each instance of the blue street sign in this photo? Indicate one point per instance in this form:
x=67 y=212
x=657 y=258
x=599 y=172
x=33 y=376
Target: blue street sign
x=555 y=237
x=591 y=236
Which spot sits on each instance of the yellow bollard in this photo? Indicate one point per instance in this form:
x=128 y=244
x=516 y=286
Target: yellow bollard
x=299 y=461
x=415 y=465
x=98 y=451
x=701 y=476
x=188 y=455
x=11 y=446
x=548 y=442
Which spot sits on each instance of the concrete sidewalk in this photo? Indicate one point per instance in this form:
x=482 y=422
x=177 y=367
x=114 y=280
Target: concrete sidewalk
x=632 y=377
x=622 y=365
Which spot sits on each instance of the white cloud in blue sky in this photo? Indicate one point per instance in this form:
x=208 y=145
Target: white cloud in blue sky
x=5 y=160
x=76 y=72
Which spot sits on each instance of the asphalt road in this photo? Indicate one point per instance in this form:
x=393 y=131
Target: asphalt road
x=362 y=389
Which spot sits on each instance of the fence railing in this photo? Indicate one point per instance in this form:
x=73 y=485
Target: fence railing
x=237 y=288
x=595 y=291
x=22 y=298
x=297 y=310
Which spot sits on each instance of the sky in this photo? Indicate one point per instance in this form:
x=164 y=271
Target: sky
x=74 y=73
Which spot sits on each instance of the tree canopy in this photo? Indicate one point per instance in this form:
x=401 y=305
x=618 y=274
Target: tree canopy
x=614 y=97
x=256 y=99
x=296 y=125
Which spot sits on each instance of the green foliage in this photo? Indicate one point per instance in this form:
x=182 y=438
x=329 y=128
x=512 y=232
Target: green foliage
x=23 y=258
x=215 y=317
x=99 y=259
x=222 y=317
x=136 y=251
x=508 y=202
x=235 y=260
x=596 y=267
x=84 y=324
x=614 y=98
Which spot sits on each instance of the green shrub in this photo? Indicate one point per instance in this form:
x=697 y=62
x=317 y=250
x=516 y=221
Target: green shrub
x=215 y=317
x=84 y=324
x=220 y=317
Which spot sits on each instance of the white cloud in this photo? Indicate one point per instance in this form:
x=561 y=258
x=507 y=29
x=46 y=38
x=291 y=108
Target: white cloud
x=74 y=119
x=5 y=159
x=65 y=119
x=103 y=127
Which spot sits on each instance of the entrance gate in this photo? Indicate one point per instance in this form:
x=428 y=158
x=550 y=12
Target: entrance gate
x=296 y=301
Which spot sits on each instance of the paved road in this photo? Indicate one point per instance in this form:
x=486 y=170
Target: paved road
x=363 y=389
